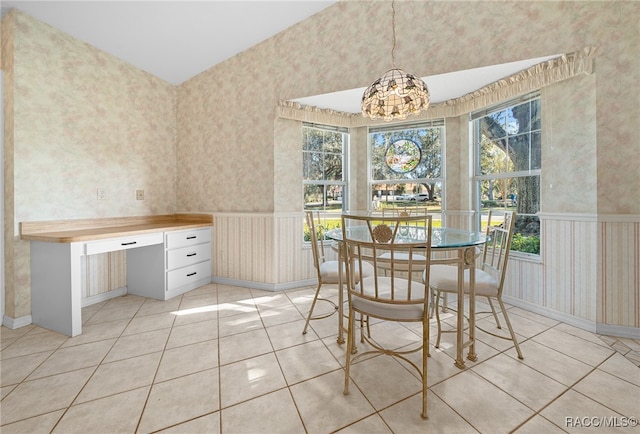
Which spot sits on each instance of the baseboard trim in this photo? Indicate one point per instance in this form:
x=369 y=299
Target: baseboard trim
x=551 y=313
x=15 y=323
x=264 y=286
x=618 y=331
x=104 y=296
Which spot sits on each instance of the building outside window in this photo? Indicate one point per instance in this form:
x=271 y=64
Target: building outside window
x=507 y=145
x=324 y=161
x=406 y=166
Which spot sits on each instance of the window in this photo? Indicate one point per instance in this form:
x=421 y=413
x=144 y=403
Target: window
x=407 y=166
x=324 y=154
x=507 y=145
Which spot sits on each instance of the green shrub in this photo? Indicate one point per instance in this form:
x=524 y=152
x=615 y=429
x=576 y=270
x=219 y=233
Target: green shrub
x=521 y=243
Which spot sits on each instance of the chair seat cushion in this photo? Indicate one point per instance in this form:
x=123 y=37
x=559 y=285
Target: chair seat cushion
x=329 y=271
x=391 y=310
x=445 y=278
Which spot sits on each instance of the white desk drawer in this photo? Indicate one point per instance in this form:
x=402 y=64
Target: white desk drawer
x=114 y=244
x=177 y=239
x=188 y=255
x=185 y=275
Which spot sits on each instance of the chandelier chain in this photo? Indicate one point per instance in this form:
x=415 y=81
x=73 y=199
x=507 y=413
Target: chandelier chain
x=393 y=27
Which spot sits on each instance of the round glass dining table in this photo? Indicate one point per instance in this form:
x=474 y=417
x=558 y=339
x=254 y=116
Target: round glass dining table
x=463 y=243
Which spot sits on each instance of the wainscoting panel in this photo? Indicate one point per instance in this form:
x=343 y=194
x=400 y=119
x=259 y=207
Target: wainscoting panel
x=263 y=250
x=619 y=300
x=570 y=264
x=104 y=272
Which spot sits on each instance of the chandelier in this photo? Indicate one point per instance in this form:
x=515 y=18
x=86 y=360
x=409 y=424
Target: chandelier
x=396 y=94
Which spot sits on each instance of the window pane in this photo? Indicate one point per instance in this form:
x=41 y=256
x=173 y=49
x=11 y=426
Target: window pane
x=519 y=153
x=493 y=158
x=333 y=167
x=312 y=166
x=413 y=153
x=536 y=151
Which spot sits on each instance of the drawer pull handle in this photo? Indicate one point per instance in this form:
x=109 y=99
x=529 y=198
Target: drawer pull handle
x=191 y=237
x=191 y=274
x=191 y=254
x=130 y=243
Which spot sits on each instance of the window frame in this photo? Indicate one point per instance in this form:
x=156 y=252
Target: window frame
x=478 y=177
x=424 y=124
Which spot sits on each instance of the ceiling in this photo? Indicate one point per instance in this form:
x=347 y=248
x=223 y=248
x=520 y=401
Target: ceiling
x=173 y=40
x=176 y=40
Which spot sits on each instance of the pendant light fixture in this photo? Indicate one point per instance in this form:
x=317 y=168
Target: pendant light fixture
x=396 y=94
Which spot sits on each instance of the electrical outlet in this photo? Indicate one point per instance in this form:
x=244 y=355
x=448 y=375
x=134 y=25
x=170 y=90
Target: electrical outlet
x=102 y=194
x=139 y=194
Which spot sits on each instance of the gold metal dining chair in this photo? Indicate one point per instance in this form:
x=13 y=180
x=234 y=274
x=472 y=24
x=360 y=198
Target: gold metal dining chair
x=489 y=276
x=327 y=271
x=402 y=245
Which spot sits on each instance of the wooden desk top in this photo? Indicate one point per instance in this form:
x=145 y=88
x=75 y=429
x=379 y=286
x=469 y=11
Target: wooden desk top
x=70 y=231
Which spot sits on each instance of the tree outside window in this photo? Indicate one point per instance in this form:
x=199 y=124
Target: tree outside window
x=507 y=140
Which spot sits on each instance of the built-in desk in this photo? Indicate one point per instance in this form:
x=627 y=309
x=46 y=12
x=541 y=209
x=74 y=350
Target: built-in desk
x=167 y=256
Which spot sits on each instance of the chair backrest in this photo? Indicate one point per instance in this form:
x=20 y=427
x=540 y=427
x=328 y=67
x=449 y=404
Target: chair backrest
x=495 y=256
x=404 y=211
x=397 y=247
x=316 y=233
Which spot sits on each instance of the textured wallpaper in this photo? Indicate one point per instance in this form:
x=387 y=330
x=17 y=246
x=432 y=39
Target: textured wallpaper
x=226 y=130
x=82 y=120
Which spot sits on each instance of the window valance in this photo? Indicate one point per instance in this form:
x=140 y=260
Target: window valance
x=533 y=78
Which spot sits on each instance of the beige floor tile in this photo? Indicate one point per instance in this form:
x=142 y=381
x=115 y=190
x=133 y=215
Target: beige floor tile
x=622 y=368
x=250 y=378
x=370 y=425
x=193 y=333
x=33 y=398
x=611 y=391
x=406 y=417
x=97 y=332
x=235 y=294
x=527 y=385
x=280 y=315
x=12 y=334
x=325 y=327
x=272 y=413
x=195 y=314
x=485 y=406
x=5 y=390
x=244 y=346
x=384 y=390
x=137 y=345
x=237 y=307
x=554 y=364
x=188 y=359
x=151 y=306
x=38 y=424
x=572 y=411
x=89 y=311
x=120 y=376
x=33 y=343
x=211 y=288
x=290 y=334
x=305 y=361
x=524 y=326
x=147 y=323
x=448 y=346
x=209 y=424
x=179 y=400
x=113 y=414
x=634 y=344
x=324 y=408
x=13 y=371
x=573 y=346
x=245 y=322
x=72 y=358
x=199 y=301
x=584 y=334
x=538 y=425
x=118 y=308
x=265 y=300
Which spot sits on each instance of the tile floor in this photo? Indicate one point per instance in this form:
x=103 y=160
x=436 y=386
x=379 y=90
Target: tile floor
x=233 y=360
